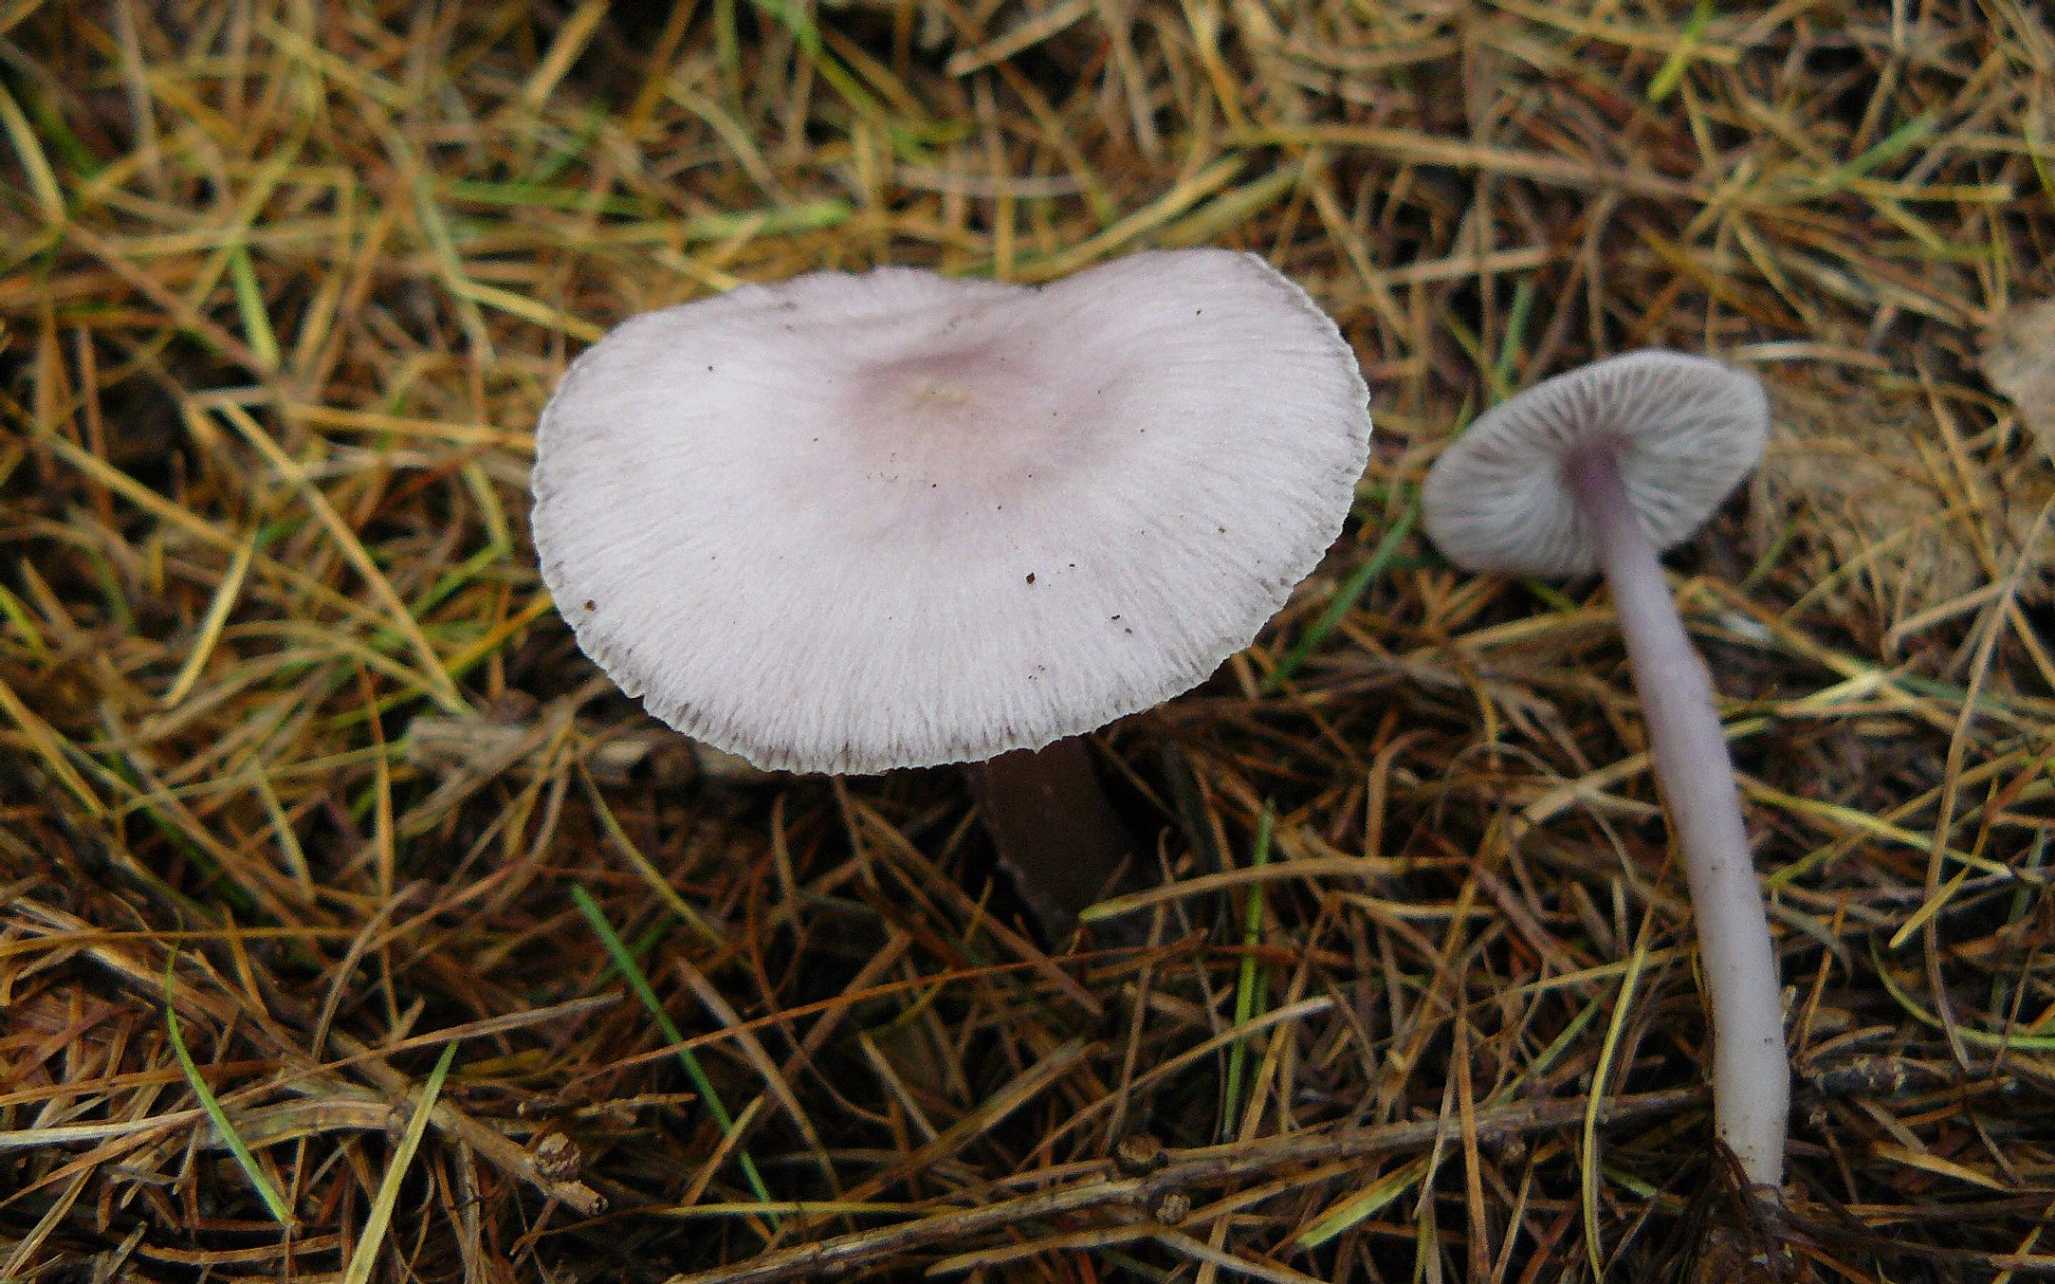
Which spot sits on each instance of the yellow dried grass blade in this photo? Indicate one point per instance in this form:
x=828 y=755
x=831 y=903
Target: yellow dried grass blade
x=570 y=42
x=42 y=179
x=365 y=1259
x=527 y=309
x=1587 y=1141
x=216 y=620
x=1930 y=907
x=433 y=672
x=651 y=876
x=44 y=738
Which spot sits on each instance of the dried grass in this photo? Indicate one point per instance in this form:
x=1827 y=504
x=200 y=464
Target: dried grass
x=283 y=287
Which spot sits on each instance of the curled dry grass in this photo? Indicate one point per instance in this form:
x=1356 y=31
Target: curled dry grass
x=284 y=285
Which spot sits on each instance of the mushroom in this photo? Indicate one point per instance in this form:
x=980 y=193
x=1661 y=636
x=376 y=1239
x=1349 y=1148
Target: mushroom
x=850 y=523
x=1601 y=469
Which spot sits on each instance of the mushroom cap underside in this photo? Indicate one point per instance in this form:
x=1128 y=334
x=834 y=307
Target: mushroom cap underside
x=1686 y=430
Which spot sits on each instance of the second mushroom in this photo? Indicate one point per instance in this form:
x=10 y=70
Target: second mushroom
x=1600 y=470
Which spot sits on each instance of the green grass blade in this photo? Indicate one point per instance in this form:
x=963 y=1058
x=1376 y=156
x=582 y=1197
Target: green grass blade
x=273 y=1201
x=1362 y=1204
x=1893 y=145
x=249 y=302
x=631 y=971
x=1667 y=77
x=1517 y=317
x=1345 y=598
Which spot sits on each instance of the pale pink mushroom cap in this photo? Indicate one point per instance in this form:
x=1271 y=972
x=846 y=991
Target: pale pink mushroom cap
x=850 y=523
x=1687 y=430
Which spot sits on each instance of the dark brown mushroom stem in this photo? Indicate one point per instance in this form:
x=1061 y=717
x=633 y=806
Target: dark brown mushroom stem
x=1751 y=1072
x=1056 y=832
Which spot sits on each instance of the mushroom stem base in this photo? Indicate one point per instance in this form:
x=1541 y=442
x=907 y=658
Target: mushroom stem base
x=1056 y=832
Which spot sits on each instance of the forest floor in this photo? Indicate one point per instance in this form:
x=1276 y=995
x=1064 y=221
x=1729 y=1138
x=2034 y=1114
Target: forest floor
x=312 y=814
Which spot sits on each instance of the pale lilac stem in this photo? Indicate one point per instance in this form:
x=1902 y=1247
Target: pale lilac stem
x=1751 y=1071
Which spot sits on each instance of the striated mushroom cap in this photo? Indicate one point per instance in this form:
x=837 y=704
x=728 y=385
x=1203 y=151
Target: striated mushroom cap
x=850 y=523
x=1686 y=429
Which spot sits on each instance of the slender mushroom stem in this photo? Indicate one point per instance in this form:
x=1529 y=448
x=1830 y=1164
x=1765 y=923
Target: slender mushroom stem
x=1056 y=831
x=1751 y=1071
